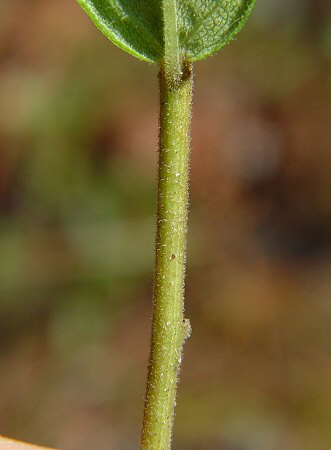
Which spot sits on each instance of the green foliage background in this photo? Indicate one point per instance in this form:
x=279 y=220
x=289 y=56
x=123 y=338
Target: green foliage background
x=78 y=129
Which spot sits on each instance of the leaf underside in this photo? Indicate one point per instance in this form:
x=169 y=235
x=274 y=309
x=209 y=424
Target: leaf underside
x=204 y=26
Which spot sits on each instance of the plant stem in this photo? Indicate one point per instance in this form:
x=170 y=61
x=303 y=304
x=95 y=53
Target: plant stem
x=169 y=328
x=172 y=56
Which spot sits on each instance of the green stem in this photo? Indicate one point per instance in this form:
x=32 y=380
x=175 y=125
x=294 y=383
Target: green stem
x=169 y=328
x=172 y=57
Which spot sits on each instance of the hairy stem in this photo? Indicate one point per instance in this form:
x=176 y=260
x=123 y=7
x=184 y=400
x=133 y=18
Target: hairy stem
x=169 y=328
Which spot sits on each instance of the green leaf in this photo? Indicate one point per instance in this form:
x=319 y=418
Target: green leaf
x=136 y=26
x=205 y=26
x=197 y=29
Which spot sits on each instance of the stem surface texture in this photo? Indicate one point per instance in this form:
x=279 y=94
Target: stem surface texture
x=169 y=328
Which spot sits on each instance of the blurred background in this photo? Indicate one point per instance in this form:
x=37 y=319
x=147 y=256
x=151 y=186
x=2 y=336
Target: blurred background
x=78 y=133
